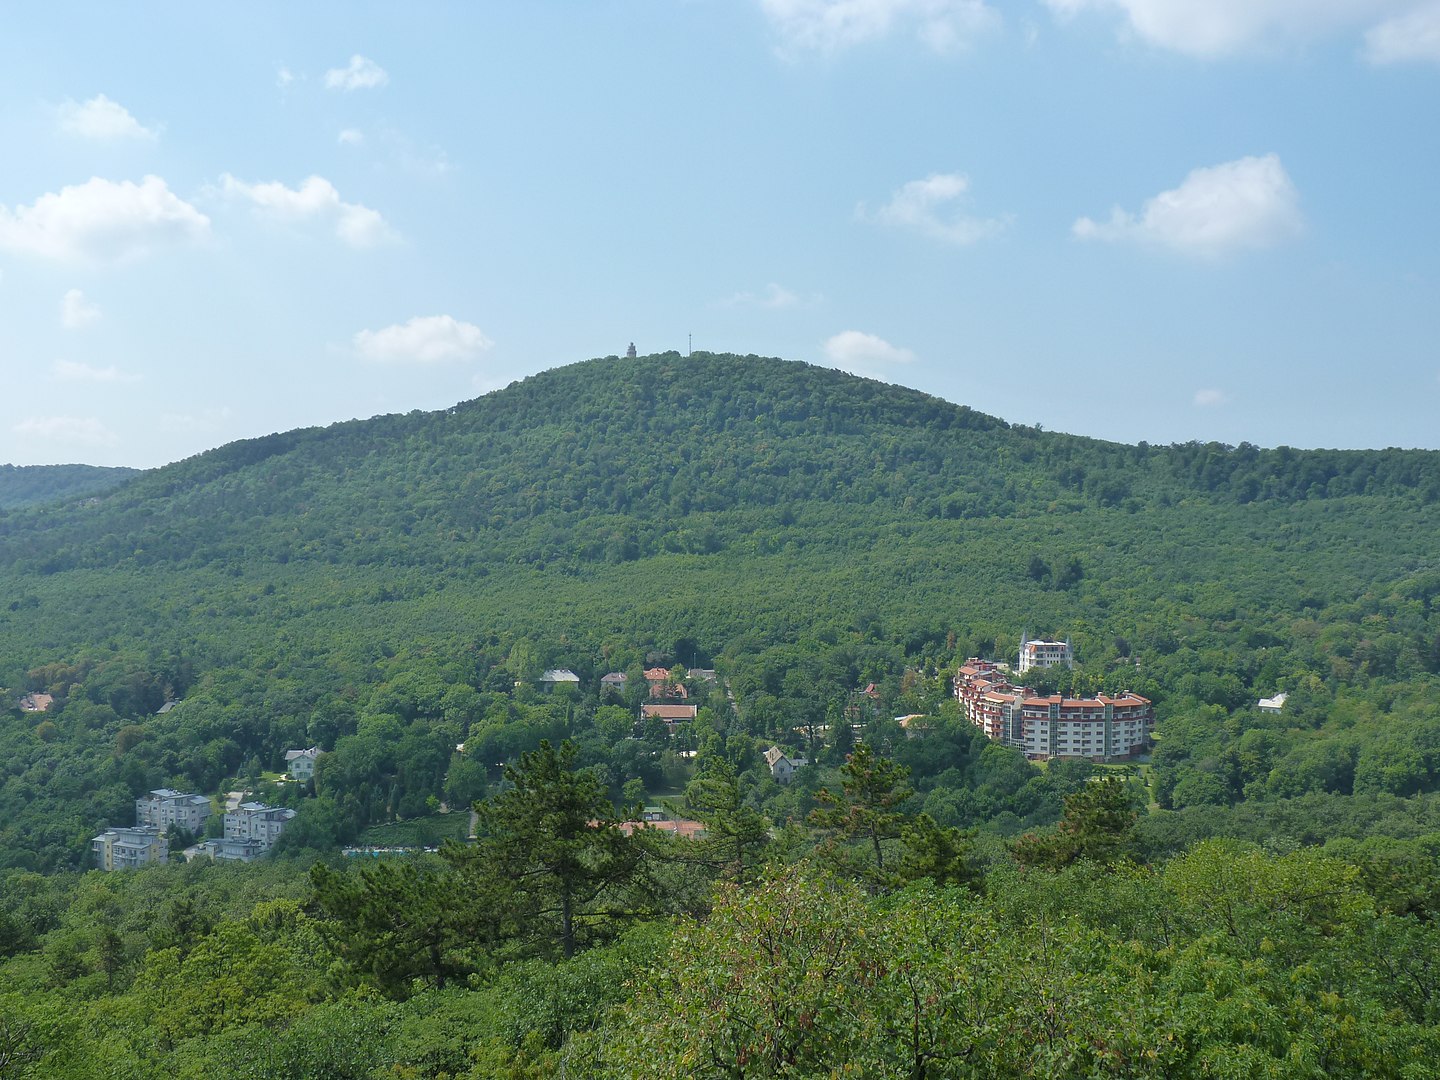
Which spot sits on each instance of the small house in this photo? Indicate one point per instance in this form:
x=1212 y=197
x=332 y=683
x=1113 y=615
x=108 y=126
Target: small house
x=782 y=767
x=559 y=677
x=300 y=764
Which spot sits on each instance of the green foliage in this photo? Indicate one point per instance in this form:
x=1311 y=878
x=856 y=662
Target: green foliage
x=407 y=925
x=552 y=836
x=737 y=835
x=1096 y=825
x=36 y=485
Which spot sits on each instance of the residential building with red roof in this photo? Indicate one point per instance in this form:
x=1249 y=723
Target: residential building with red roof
x=1100 y=728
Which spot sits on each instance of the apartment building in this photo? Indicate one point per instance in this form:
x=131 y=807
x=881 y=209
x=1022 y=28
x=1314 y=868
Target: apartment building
x=258 y=822
x=127 y=849
x=1099 y=728
x=164 y=807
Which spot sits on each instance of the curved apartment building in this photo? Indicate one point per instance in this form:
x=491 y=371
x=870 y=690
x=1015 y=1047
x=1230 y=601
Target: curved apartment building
x=1099 y=728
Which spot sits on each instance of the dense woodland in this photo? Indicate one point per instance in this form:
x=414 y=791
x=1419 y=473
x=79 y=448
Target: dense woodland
x=1259 y=899
x=40 y=485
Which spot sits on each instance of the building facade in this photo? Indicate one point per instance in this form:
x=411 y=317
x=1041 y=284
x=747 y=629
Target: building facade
x=258 y=822
x=1099 y=728
x=300 y=764
x=127 y=849
x=165 y=807
x=782 y=766
x=1039 y=653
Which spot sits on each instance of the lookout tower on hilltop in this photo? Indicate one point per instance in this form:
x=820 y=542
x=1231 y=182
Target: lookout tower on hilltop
x=630 y=352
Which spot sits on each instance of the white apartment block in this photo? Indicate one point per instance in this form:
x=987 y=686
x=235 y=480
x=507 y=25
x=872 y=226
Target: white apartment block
x=164 y=807
x=126 y=849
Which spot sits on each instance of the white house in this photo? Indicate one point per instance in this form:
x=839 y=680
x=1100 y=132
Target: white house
x=300 y=764
x=559 y=677
x=1272 y=704
x=782 y=767
x=1040 y=653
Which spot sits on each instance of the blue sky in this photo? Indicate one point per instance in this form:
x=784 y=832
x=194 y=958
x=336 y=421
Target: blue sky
x=1134 y=219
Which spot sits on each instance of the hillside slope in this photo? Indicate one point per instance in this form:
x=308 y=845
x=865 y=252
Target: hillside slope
x=612 y=459
x=35 y=485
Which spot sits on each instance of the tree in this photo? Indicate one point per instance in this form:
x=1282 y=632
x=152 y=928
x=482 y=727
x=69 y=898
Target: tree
x=866 y=809
x=399 y=924
x=1096 y=825
x=944 y=855
x=736 y=835
x=554 y=835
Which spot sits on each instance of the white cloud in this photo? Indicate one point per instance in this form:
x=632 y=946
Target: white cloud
x=73 y=430
x=774 y=298
x=351 y=137
x=864 y=354
x=1245 y=204
x=828 y=26
x=1214 y=28
x=103 y=119
x=361 y=74
x=426 y=339
x=284 y=77
x=1208 y=398
x=359 y=226
x=72 y=371
x=1412 y=36
x=101 y=221
x=921 y=206
x=76 y=311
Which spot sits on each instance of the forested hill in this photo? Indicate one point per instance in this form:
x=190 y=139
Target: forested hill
x=614 y=459
x=34 y=485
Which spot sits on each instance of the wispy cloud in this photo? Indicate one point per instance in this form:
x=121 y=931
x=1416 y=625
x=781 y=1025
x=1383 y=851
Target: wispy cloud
x=361 y=73
x=73 y=371
x=1246 y=204
x=76 y=311
x=774 y=297
x=930 y=207
x=79 y=431
x=315 y=198
x=1210 y=29
x=425 y=339
x=1209 y=398
x=829 y=26
x=1410 y=37
x=103 y=120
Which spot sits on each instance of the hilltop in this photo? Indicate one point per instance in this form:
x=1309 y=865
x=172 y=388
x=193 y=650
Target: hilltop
x=612 y=459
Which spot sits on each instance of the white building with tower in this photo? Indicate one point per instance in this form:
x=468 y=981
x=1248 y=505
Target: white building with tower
x=1040 y=653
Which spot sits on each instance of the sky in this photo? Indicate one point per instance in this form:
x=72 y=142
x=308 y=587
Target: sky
x=1156 y=220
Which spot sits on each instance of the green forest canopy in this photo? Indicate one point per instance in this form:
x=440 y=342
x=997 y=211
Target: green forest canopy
x=391 y=589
